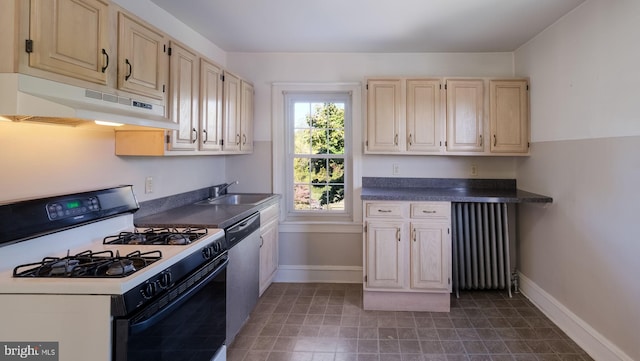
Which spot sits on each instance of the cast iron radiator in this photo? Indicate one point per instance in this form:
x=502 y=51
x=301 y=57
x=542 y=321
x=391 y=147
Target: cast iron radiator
x=480 y=247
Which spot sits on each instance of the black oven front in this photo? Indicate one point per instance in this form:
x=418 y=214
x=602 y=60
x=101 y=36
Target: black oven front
x=187 y=323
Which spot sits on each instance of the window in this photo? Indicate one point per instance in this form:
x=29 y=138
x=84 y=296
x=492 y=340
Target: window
x=316 y=162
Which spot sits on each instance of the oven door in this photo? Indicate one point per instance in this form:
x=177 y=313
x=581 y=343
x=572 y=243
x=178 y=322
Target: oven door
x=190 y=327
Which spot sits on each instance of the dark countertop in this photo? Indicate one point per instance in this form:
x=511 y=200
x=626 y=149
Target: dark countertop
x=448 y=190
x=203 y=215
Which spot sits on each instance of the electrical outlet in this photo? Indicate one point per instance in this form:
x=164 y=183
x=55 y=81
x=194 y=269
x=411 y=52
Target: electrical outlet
x=474 y=170
x=396 y=169
x=148 y=185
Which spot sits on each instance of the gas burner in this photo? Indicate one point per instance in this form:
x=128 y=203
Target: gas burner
x=62 y=267
x=158 y=236
x=88 y=264
x=120 y=267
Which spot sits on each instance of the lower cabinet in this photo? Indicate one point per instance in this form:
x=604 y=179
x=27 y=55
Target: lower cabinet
x=407 y=256
x=268 y=246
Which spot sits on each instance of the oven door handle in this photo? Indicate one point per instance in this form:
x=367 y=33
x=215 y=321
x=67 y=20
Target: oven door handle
x=143 y=325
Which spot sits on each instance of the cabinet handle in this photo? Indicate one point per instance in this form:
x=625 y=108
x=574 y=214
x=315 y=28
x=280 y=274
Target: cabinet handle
x=481 y=140
x=195 y=135
x=384 y=211
x=414 y=234
x=244 y=139
x=261 y=241
x=410 y=138
x=206 y=136
x=428 y=212
x=237 y=139
x=495 y=141
x=395 y=139
x=104 y=68
x=398 y=234
x=126 y=77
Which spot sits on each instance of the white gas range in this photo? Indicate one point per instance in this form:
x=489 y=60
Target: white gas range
x=70 y=274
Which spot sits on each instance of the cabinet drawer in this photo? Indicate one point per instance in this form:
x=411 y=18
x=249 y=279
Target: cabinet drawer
x=438 y=210
x=384 y=210
x=269 y=213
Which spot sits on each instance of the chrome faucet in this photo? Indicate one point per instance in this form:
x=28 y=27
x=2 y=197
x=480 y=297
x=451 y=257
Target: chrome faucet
x=220 y=188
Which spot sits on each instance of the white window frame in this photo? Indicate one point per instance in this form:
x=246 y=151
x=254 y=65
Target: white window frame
x=351 y=220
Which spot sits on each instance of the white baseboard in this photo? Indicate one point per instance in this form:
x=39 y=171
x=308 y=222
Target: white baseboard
x=594 y=343
x=323 y=274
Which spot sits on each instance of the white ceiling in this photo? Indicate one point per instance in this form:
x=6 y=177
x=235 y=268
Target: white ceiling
x=368 y=25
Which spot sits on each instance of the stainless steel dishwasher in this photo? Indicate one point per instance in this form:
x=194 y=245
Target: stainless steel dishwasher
x=243 y=272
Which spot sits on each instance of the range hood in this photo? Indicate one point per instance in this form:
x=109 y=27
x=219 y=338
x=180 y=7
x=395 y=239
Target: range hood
x=24 y=98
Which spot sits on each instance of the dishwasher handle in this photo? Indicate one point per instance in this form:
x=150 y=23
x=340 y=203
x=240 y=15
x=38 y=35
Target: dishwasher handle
x=242 y=229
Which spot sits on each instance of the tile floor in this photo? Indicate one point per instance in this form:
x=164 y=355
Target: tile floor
x=326 y=322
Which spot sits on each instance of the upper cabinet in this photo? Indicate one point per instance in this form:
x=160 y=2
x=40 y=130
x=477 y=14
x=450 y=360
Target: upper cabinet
x=465 y=114
x=141 y=58
x=451 y=116
x=232 y=94
x=385 y=120
x=211 y=112
x=70 y=37
x=509 y=102
x=246 y=117
x=238 y=115
x=424 y=125
x=184 y=100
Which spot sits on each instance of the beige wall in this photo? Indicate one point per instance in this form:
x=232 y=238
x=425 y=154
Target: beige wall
x=345 y=249
x=41 y=160
x=582 y=250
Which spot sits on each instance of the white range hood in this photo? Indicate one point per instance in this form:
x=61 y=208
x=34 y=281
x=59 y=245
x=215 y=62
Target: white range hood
x=28 y=98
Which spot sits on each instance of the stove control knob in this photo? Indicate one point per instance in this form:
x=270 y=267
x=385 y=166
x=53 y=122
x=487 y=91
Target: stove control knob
x=148 y=290
x=164 y=280
x=216 y=247
x=207 y=252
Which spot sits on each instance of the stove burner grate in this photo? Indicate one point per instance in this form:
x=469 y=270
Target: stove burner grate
x=103 y=264
x=158 y=236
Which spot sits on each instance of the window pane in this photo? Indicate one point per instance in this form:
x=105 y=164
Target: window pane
x=301 y=197
x=335 y=141
x=302 y=141
x=319 y=141
x=318 y=198
x=335 y=195
x=336 y=170
x=301 y=172
x=301 y=113
x=319 y=172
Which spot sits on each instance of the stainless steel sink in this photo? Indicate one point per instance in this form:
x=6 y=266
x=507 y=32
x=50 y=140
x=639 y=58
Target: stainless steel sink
x=237 y=199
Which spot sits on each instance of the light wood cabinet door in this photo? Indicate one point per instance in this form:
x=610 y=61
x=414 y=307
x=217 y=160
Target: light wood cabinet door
x=465 y=114
x=141 y=58
x=430 y=259
x=211 y=98
x=385 y=116
x=509 y=116
x=70 y=37
x=246 y=117
x=268 y=253
x=232 y=105
x=424 y=124
x=184 y=89
x=385 y=254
